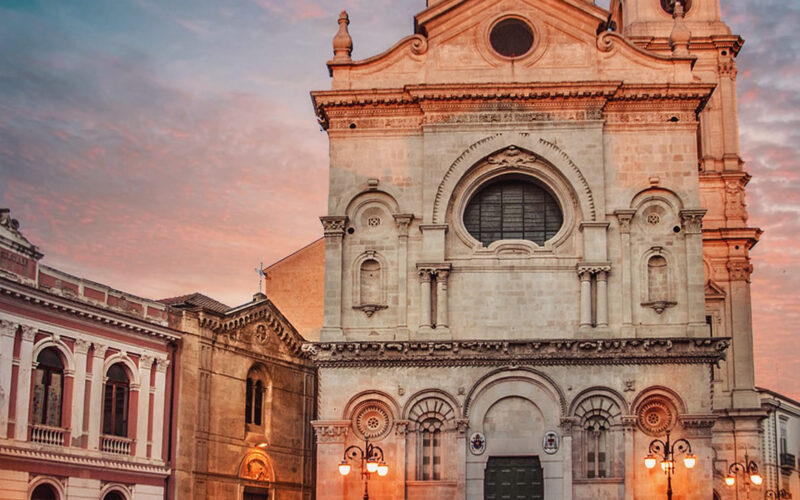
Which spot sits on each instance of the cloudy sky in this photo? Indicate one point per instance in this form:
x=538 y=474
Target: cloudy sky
x=167 y=147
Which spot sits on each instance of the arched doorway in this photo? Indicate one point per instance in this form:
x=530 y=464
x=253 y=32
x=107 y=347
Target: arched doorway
x=521 y=478
x=44 y=492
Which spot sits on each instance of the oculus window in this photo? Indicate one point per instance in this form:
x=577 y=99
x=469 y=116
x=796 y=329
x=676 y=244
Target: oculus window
x=511 y=37
x=513 y=209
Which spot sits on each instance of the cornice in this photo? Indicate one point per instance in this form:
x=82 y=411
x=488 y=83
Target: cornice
x=83 y=460
x=523 y=352
x=84 y=311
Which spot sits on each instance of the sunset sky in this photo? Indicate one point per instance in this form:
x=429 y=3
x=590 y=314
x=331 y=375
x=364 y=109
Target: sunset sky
x=170 y=147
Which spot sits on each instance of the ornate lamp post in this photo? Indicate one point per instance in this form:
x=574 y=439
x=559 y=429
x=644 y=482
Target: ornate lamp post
x=748 y=469
x=667 y=452
x=371 y=459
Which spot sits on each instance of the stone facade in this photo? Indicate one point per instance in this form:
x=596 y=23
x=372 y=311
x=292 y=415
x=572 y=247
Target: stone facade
x=229 y=448
x=454 y=351
x=780 y=432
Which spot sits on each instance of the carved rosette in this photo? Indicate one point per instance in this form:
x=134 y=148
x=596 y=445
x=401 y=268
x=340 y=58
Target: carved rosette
x=372 y=420
x=740 y=271
x=656 y=415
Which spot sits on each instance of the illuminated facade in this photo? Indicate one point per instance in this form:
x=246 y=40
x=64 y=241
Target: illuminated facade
x=536 y=255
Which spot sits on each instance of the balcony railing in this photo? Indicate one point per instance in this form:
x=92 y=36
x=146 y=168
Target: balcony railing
x=116 y=444
x=787 y=461
x=44 y=434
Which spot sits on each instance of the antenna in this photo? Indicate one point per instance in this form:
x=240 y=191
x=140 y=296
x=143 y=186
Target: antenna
x=261 y=274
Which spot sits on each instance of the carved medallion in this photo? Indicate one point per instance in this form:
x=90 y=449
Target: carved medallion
x=656 y=415
x=373 y=420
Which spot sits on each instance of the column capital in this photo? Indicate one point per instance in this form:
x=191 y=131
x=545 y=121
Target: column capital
x=161 y=365
x=81 y=346
x=401 y=428
x=333 y=225
x=740 y=270
x=425 y=274
x=8 y=328
x=590 y=268
x=692 y=221
x=567 y=423
x=331 y=431
x=403 y=222
x=442 y=274
x=629 y=422
x=462 y=424
x=146 y=362
x=624 y=217
x=99 y=350
x=29 y=333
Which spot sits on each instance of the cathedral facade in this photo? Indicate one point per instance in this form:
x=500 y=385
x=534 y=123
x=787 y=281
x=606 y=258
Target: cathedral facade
x=536 y=257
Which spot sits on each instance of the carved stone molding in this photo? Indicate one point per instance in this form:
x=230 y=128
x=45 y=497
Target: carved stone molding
x=333 y=225
x=624 y=217
x=99 y=350
x=629 y=422
x=697 y=421
x=401 y=428
x=593 y=267
x=740 y=271
x=146 y=362
x=81 y=346
x=533 y=352
x=161 y=365
x=331 y=431
x=659 y=306
x=462 y=425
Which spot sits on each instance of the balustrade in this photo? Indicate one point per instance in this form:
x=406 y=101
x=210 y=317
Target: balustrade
x=116 y=444
x=44 y=434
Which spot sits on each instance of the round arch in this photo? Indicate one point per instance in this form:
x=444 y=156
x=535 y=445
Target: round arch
x=549 y=154
x=127 y=362
x=352 y=200
x=256 y=465
x=115 y=488
x=612 y=394
x=359 y=398
x=62 y=348
x=545 y=385
x=50 y=481
x=430 y=393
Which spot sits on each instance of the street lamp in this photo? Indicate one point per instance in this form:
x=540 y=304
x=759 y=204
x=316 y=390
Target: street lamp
x=667 y=452
x=749 y=469
x=372 y=461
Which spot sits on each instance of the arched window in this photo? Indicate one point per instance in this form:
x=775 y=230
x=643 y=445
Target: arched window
x=113 y=495
x=513 y=209
x=430 y=432
x=255 y=395
x=48 y=386
x=596 y=439
x=44 y=492
x=115 y=402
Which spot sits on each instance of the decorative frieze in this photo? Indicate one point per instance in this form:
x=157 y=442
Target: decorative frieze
x=331 y=431
x=530 y=352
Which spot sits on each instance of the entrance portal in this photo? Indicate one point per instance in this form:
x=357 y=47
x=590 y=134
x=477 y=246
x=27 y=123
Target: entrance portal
x=513 y=478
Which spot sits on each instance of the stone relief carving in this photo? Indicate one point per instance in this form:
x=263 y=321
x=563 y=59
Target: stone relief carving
x=501 y=353
x=740 y=271
x=372 y=420
x=656 y=415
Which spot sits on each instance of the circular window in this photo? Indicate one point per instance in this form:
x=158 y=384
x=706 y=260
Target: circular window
x=513 y=209
x=511 y=37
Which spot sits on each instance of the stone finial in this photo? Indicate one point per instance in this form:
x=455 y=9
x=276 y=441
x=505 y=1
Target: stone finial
x=342 y=43
x=680 y=36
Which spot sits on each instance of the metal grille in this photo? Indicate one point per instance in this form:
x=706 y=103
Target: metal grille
x=513 y=210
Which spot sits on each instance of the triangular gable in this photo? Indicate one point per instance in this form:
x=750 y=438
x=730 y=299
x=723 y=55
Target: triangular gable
x=714 y=291
x=449 y=7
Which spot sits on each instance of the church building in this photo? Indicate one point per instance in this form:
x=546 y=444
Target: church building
x=537 y=272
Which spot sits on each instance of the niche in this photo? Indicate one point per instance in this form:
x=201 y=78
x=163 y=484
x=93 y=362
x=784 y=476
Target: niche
x=658 y=284
x=369 y=283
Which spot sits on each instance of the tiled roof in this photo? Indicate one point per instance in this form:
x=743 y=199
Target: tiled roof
x=196 y=300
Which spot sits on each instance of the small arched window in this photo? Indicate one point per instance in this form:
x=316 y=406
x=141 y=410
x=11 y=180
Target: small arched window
x=48 y=387
x=113 y=495
x=254 y=399
x=596 y=439
x=513 y=209
x=44 y=492
x=115 y=402
x=430 y=433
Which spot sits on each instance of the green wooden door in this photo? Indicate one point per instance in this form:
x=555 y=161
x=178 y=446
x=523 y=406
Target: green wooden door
x=513 y=478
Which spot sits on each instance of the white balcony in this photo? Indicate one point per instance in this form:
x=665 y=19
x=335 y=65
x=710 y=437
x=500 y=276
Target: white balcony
x=116 y=444
x=44 y=434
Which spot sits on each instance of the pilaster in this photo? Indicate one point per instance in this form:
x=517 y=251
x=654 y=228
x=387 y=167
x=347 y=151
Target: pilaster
x=79 y=391
x=403 y=222
x=21 y=415
x=8 y=333
x=158 y=409
x=143 y=415
x=333 y=230
x=692 y=221
x=96 y=395
x=624 y=218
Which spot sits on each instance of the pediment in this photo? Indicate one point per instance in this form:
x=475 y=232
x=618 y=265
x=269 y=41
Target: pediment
x=714 y=291
x=452 y=45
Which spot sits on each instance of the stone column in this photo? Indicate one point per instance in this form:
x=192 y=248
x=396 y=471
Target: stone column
x=744 y=395
x=403 y=221
x=334 y=234
x=630 y=459
x=143 y=415
x=441 y=298
x=8 y=333
x=695 y=287
x=425 y=298
x=567 y=425
x=79 y=391
x=624 y=217
x=96 y=396
x=24 y=384
x=158 y=409
x=602 y=299
x=586 y=297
